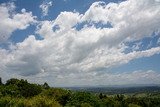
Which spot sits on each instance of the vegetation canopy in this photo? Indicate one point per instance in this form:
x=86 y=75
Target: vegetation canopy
x=21 y=93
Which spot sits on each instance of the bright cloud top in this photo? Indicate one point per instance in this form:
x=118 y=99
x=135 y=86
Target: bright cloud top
x=74 y=46
x=11 y=21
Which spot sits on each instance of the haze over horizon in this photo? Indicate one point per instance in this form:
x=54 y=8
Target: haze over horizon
x=80 y=42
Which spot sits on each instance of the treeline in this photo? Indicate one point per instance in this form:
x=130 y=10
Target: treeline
x=20 y=93
x=122 y=90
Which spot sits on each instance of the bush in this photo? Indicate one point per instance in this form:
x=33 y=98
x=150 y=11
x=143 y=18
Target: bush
x=41 y=101
x=4 y=101
x=37 y=101
x=78 y=98
x=60 y=95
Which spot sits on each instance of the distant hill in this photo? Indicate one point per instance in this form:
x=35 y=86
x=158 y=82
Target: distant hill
x=118 y=89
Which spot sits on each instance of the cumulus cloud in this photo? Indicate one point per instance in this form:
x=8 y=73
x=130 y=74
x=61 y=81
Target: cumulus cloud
x=93 y=78
x=66 y=53
x=11 y=21
x=45 y=7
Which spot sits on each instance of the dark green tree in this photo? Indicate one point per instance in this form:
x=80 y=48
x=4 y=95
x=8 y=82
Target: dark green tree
x=27 y=89
x=46 y=86
x=12 y=81
x=24 y=88
x=100 y=95
x=1 y=81
x=119 y=97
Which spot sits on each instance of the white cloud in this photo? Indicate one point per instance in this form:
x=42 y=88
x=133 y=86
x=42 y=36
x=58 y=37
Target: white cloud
x=68 y=53
x=135 y=77
x=136 y=18
x=66 y=20
x=92 y=79
x=45 y=28
x=11 y=21
x=45 y=7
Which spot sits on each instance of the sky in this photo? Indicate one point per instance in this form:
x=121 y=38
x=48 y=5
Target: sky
x=80 y=42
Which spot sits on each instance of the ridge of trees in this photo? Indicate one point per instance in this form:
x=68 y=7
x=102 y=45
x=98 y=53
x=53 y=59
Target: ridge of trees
x=21 y=93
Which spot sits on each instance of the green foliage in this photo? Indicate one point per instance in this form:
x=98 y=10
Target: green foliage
x=10 y=90
x=100 y=95
x=119 y=97
x=46 y=86
x=133 y=105
x=29 y=90
x=1 y=81
x=21 y=87
x=78 y=98
x=20 y=93
x=85 y=105
x=12 y=81
x=61 y=95
x=37 y=101
x=42 y=101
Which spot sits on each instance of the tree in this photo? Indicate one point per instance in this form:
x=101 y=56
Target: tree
x=100 y=95
x=28 y=90
x=24 y=88
x=12 y=81
x=79 y=98
x=1 y=81
x=119 y=97
x=46 y=86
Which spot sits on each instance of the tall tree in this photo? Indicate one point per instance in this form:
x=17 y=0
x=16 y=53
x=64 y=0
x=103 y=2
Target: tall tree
x=1 y=81
x=12 y=81
x=46 y=86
